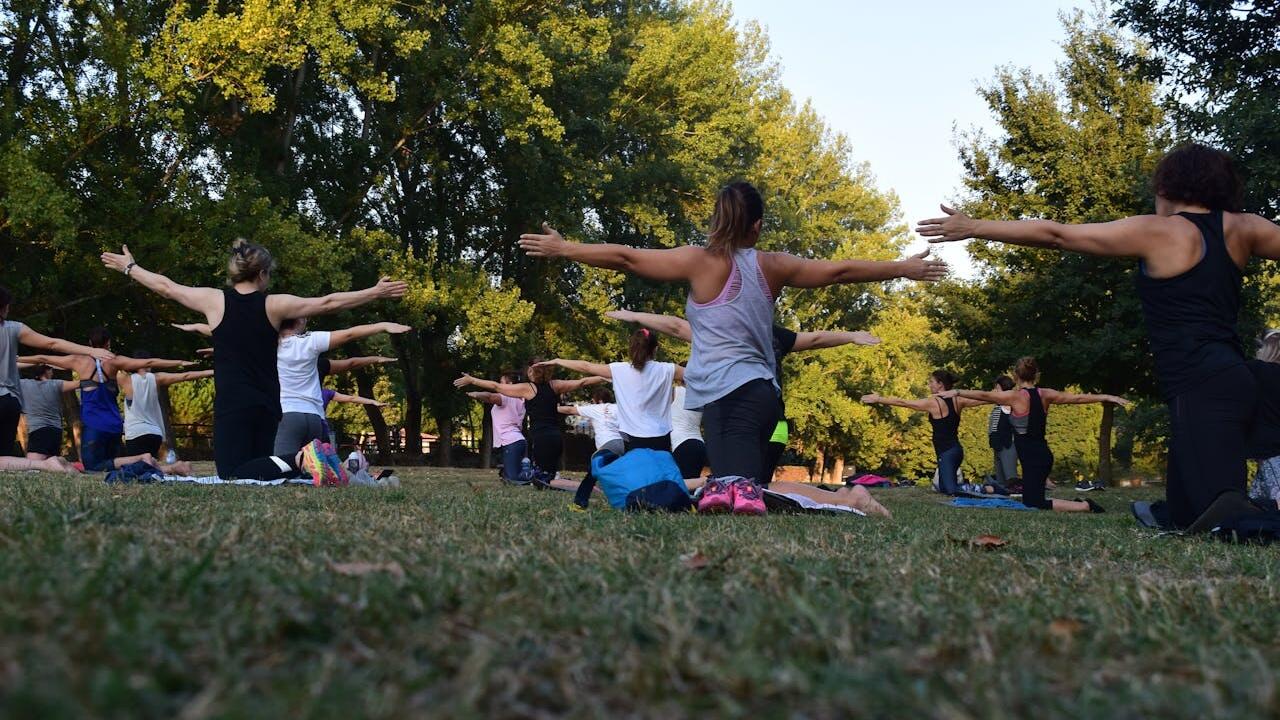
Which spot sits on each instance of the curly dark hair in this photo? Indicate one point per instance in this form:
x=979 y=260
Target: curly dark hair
x=1199 y=175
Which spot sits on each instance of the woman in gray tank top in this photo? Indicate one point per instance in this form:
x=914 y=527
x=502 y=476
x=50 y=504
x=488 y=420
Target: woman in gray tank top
x=42 y=404
x=730 y=376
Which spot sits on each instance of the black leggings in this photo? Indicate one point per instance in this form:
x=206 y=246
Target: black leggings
x=545 y=447
x=242 y=435
x=662 y=442
x=268 y=468
x=10 y=412
x=691 y=457
x=1208 y=433
x=738 y=427
x=772 y=455
x=1037 y=463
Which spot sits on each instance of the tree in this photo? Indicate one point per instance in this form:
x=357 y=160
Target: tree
x=1075 y=150
x=1221 y=61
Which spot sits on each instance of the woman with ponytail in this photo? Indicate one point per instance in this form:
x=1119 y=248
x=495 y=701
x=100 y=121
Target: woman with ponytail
x=642 y=387
x=1030 y=416
x=245 y=323
x=944 y=420
x=731 y=374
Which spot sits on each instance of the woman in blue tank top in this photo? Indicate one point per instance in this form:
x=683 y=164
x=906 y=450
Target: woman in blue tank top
x=730 y=376
x=1191 y=254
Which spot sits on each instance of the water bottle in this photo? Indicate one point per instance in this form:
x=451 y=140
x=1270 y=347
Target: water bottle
x=526 y=469
x=171 y=457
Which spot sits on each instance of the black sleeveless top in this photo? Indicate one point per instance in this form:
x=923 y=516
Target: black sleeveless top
x=946 y=431
x=543 y=410
x=244 y=356
x=1037 y=418
x=1191 y=318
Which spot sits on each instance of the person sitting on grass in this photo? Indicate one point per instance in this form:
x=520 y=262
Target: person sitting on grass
x=1264 y=439
x=944 y=420
x=507 y=418
x=1030 y=416
x=42 y=404
x=143 y=419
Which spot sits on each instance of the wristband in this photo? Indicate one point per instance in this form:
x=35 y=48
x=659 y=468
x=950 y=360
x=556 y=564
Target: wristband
x=129 y=268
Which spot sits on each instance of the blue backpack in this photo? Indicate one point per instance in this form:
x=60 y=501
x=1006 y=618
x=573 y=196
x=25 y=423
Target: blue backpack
x=640 y=480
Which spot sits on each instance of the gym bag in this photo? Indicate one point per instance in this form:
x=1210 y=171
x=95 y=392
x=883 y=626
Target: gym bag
x=640 y=480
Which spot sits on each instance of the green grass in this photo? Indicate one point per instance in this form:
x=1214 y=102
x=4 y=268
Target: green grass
x=198 y=601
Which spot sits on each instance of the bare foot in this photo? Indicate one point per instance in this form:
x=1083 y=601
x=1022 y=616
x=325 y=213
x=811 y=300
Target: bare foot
x=860 y=498
x=179 y=468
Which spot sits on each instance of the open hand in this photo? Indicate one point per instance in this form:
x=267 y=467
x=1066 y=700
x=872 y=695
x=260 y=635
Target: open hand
x=947 y=394
x=954 y=226
x=205 y=352
x=920 y=267
x=388 y=288
x=1122 y=402
x=861 y=337
x=395 y=328
x=548 y=244
x=464 y=381
x=101 y=354
x=385 y=360
x=871 y=399
x=119 y=262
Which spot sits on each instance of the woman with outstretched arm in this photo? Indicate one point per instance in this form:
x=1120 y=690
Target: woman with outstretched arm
x=1030 y=417
x=944 y=421
x=1191 y=256
x=541 y=396
x=245 y=324
x=731 y=373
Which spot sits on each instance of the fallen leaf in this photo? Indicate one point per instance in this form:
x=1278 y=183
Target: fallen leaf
x=988 y=542
x=357 y=569
x=1065 y=629
x=694 y=561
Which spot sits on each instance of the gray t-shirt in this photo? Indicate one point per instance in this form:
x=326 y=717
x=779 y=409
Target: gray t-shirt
x=9 y=384
x=42 y=403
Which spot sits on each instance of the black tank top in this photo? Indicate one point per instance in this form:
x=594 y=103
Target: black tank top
x=543 y=409
x=244 y=355
x=1037 y=418
x=946 y=431
x=1191 y=318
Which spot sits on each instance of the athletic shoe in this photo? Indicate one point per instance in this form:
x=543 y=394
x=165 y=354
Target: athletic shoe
x=1086 y=486
x=717 y=496
x=747 y=498
x=315 y=464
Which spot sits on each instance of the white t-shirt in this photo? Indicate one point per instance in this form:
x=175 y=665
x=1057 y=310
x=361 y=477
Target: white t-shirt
x=644 y=398
x=299 y=379
x=604 y=422
x=685 y=424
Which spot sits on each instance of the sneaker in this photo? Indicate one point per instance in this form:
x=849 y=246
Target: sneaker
x=1093 y=506
x=1086 y=486
x=717 y=496
x=316 y=465
x=747 y=498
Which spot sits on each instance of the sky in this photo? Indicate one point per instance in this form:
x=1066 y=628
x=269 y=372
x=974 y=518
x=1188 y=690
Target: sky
x=899 y=79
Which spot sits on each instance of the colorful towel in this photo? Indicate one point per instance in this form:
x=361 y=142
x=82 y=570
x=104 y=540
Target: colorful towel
x=215 y=480
x=999 y=503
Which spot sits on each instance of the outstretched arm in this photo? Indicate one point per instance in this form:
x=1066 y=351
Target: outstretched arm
x=523 y=391
x=564 y=387
x=62 y=362
x=787 y=270
x=832 y=338
x=174 y=378
x=128 y=364
x=1130 y=237
x=670 y=325
x=878 y=399
x=1057 y=397
x=33 y=339
x=283 y=307
x=1263 y=235
x=984 y=397
x=200 y=299
x=198 y=328
x=342 y=337
x=668 y=265
x=580 y=366
x=487 y=398
x=568 y=410
x=347 y=364
x=357 y=400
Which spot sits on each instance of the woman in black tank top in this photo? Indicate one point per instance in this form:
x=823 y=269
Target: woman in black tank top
x=1030 y=419
x=541 y=395
x=245 y=324
x=1191 y=253
x=944 y=418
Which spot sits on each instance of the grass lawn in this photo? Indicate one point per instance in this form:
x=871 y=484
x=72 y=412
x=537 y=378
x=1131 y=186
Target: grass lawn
x=483 y=600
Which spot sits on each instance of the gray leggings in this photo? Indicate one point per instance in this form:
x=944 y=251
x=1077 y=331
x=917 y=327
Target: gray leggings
x=1006 y=460
x=295 y=430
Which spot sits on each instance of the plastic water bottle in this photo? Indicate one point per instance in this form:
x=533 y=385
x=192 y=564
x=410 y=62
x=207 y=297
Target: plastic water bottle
x=171 y=457
x=526 y=468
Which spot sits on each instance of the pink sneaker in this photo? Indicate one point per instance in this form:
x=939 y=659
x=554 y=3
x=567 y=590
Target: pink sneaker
x=717 y=497
x=747 y=498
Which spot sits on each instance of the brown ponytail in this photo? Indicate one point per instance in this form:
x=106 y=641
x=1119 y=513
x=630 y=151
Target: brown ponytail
x=1026 y=369
x=643 y=348
x=739 y=207
x=248 y=261
x=945 y=378
x=538 y=375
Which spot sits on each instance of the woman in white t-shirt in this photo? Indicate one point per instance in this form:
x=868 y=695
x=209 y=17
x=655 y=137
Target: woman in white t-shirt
x=603 y=414
x=686 y=437
x=643 y=389
x=301 y=404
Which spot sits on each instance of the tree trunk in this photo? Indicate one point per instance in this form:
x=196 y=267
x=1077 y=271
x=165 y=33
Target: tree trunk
x=412 y=421
x=364 y=385
x=166 y=411
x=837 y=472
x=444 y=445
x=486 y=437
x=819 y=465
x=1104 y=442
